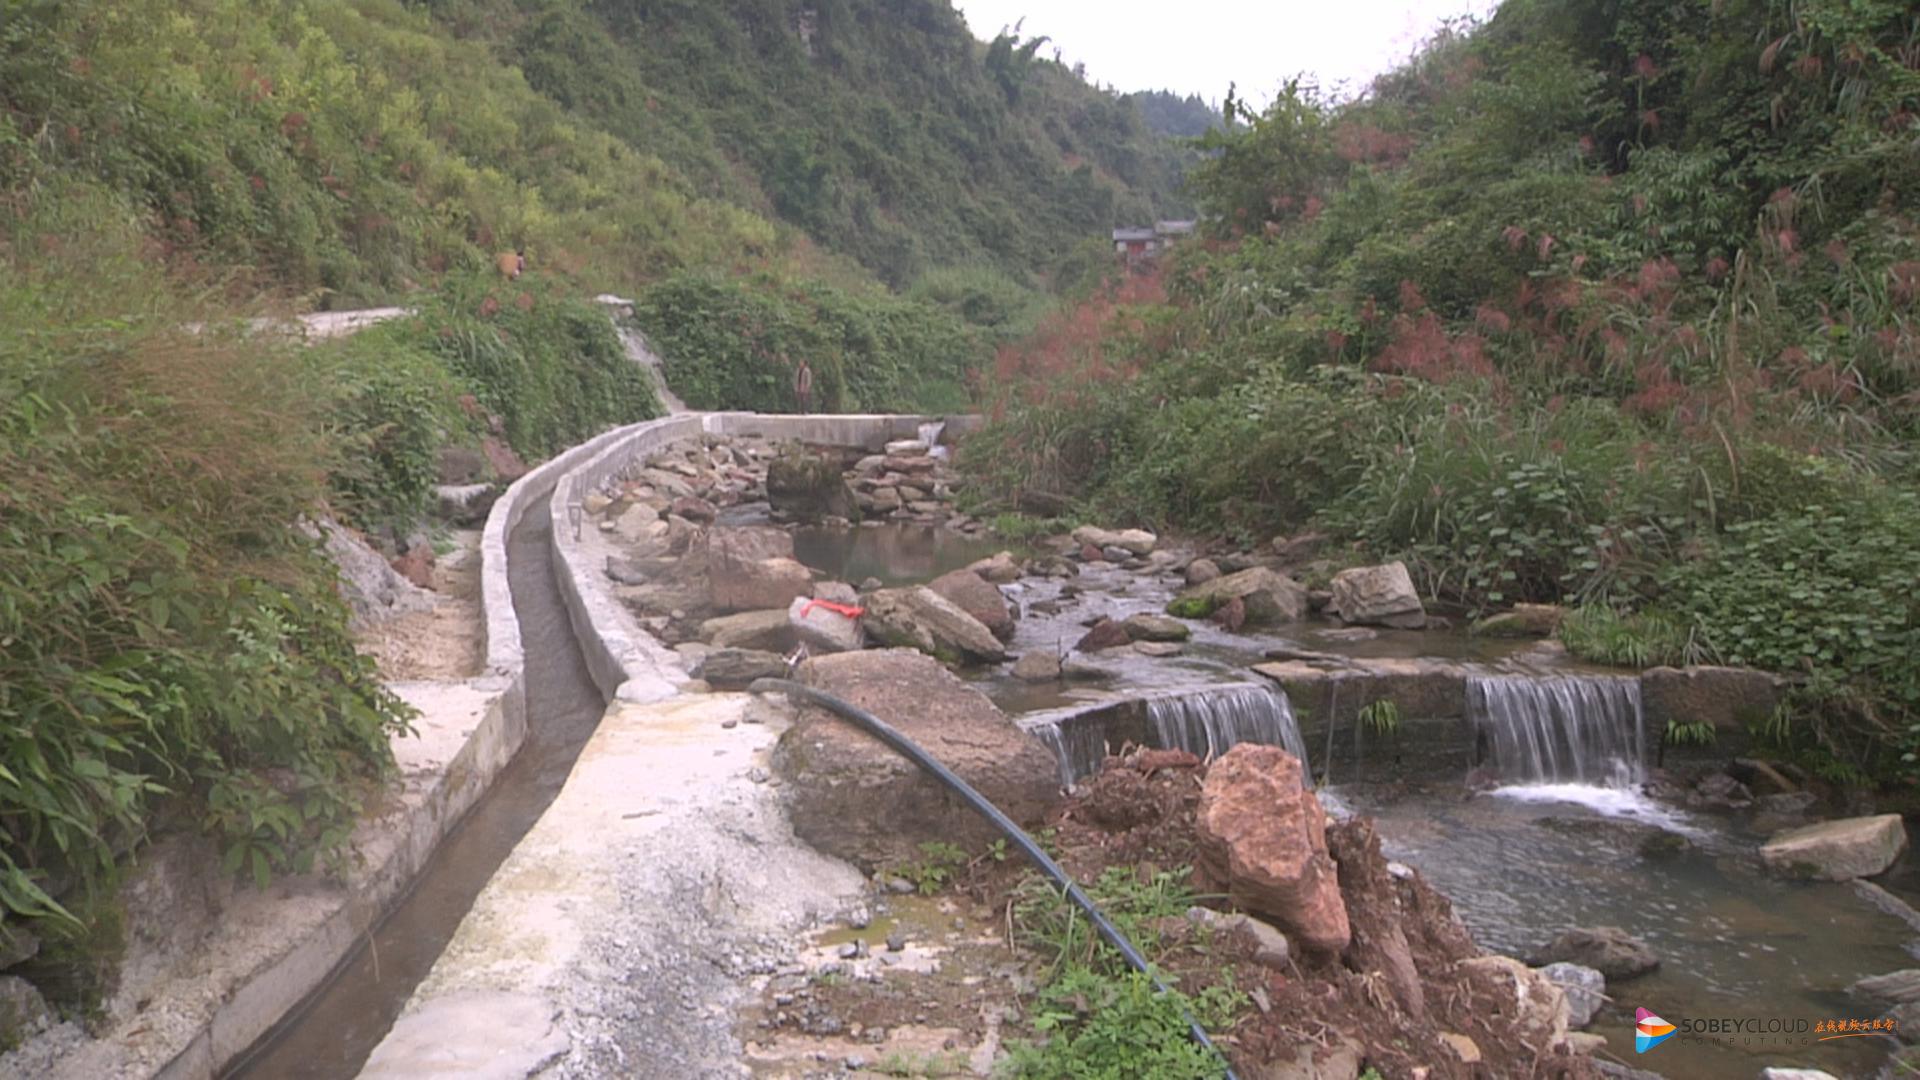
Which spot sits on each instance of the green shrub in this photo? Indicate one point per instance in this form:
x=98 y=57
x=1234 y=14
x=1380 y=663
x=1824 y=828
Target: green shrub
x=549 y=365
x=731 y=344
x=168 y=638
x=1095 y=1016
x=1828 y=592
x=1116 y=1027
x=393 y=407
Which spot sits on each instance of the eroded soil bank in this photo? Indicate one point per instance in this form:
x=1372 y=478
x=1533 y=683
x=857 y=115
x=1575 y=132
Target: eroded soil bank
x=944 y=968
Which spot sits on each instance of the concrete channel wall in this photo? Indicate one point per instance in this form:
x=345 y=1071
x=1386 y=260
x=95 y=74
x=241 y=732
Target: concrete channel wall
x=627 y=662
x=454 y=764
x=448 y=769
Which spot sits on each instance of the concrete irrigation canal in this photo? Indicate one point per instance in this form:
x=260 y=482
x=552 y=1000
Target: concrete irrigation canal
x=606 y=859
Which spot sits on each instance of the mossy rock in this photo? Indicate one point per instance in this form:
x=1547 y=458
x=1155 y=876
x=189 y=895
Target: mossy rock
x=78 y=967
x=1193 y=607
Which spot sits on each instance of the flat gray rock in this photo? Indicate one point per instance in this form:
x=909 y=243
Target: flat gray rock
x=1837 y=850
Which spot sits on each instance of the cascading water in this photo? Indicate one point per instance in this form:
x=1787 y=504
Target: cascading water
x=930 y=433
x=1567 y=729
x=1206 y=721
x=1078 y=747
x=1210 y=721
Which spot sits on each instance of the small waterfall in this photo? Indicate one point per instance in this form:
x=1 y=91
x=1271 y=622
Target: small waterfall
x=929 y=433
x=1078 y=747
x=641 y=353
x=1566 y=729
x=1208 y=722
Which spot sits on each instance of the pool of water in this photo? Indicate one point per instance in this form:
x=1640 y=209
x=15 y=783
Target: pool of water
x=1522 y=864
x=895 y=553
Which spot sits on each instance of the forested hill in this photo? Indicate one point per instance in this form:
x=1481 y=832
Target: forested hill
x=880 y=127
x=1608 y=304
x=857 y=183
x=1183 y=117
x=365 y=147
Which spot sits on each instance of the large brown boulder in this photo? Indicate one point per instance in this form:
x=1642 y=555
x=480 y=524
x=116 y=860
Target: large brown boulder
x=1105 y=634
x=735 y=669
x=1265 y=835
x=1609 y=950
x=767 y=631
x=1268 y=595
x=853 y=797
x=919 y=618
x=753 y=569
x=972 y=594
x=1132 y=541
x=1378 y=595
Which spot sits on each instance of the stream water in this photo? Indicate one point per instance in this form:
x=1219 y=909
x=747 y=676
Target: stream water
x=1558 y=846
x=1523 y=863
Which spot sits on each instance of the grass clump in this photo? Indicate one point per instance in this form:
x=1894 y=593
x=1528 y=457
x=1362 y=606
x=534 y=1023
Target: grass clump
x=1095 y=1016
x=1636 y=639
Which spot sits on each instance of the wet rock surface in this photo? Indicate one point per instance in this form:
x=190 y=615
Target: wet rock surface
x=1611 y=951
x=1266 y=596
x=977 y=597
x=919 y=618
x=1837 y=850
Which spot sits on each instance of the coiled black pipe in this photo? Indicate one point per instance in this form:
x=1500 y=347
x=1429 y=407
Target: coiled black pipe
x=886 y=733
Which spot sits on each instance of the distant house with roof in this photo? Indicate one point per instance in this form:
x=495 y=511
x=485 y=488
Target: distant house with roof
x=1137 y=244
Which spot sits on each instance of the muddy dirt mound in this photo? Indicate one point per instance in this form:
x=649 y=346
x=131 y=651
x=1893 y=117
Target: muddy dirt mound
x=1412 y=995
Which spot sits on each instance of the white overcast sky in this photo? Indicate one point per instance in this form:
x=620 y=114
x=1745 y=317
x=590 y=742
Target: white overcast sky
x=1199 y=46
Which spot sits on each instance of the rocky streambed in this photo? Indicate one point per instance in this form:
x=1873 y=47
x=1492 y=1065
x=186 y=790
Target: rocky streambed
x=857 y=572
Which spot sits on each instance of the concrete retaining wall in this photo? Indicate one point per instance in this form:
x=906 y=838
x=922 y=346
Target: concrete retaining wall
x=447 y=775
x=1436 y=738
x=627 y=662
x=445 y=782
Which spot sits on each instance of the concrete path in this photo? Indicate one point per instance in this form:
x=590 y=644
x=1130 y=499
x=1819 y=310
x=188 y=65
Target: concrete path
x=623 y=930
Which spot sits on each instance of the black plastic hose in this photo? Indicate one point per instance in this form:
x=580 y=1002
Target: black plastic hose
x=886 y=733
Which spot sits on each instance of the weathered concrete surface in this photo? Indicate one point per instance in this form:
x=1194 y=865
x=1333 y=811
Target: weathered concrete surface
x=189 y=1003
x=1728 y=698
x=507 y=1036
x=637 y=908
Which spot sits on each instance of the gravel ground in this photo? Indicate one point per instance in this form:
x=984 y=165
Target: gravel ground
x=641 y=909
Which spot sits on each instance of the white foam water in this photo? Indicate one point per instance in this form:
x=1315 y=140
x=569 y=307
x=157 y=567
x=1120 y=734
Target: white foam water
x=1614 y=802
x=1210 y=721
x=930 y=434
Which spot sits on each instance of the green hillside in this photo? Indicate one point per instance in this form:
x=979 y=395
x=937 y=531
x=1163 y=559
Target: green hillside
x=1606 y=304
x=884 y=130
x=881 y=192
